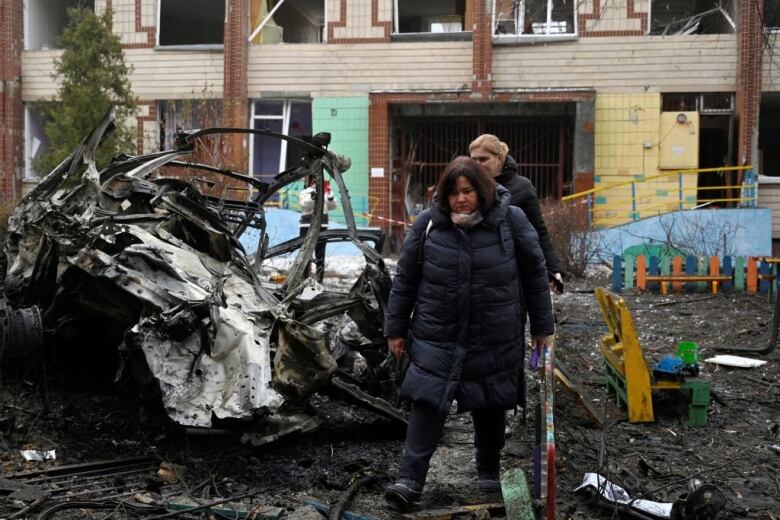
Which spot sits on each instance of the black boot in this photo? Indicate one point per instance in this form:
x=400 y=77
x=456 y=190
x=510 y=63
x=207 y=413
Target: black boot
x=403 y=493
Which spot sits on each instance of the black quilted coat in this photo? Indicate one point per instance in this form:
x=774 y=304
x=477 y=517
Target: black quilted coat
x=523 y=195
x=458 y=301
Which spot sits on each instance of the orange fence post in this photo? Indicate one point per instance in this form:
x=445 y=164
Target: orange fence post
x=714 y=271
x=752 y=274
x=641 y=272
x=677 y=270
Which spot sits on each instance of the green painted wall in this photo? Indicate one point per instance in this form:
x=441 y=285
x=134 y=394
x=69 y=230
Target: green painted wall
x=346 y=118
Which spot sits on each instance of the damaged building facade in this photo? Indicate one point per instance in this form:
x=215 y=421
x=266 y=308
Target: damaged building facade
x=586 y=93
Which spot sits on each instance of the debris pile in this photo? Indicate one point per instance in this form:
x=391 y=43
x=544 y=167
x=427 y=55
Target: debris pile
x=147 y=270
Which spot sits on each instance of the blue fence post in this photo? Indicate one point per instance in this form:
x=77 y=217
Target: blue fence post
x=617 y=274
x=764 y=269
x=633 y=202
x=691 y=268
x=653 y=269
x=728 y=269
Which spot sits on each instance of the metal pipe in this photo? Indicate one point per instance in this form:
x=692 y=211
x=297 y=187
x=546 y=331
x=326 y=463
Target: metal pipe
x=265 y=21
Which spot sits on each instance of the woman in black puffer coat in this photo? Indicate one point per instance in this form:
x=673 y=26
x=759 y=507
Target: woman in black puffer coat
x=467 y=266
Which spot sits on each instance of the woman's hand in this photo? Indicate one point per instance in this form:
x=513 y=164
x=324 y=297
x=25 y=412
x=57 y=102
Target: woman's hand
x=397 y=346
x=556 y=283
x=537 y=343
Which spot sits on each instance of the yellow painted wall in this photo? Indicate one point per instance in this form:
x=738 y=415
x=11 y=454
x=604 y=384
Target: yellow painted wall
x=626 y=149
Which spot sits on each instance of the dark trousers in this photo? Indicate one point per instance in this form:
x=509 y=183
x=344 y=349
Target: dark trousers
x=426 y=424
x=319 y=254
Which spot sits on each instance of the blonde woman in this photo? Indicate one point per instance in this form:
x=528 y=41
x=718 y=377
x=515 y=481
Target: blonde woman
x=492 y=154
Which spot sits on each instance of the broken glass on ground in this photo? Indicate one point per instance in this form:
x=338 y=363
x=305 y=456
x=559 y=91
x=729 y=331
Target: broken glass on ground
x=136 y=269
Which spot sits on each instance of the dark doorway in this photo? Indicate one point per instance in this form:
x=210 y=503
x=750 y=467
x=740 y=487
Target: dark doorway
x=422 y=148
x=715 y=150
x=769 y=134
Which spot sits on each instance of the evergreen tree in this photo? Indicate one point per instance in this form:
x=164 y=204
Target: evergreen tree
x=93 y=76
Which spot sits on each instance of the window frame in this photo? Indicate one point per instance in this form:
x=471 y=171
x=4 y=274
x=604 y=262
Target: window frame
x=769 y=29
x=731 y=19
x=699 y=105
x=189 y=46
x=397 y=34
x=516 y=38
x=285 y=118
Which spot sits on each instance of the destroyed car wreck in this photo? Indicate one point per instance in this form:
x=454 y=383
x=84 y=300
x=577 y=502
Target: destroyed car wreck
x=134 y=265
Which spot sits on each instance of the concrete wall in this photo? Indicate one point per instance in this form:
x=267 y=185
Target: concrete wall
x=156 y=74
x=699 y=63
x=747 y=232
x=352 y=69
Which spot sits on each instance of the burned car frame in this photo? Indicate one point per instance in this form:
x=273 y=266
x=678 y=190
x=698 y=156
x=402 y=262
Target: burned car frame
x=129 y=264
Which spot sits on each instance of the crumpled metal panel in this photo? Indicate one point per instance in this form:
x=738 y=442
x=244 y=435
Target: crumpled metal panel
x=208 y=346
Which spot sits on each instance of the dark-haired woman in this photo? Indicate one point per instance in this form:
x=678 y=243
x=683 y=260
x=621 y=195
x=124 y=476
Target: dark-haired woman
x=467 y=266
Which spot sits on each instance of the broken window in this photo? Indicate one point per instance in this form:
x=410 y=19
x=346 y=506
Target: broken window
x=270 y=155
x=435 y=16
x=45 y=20
x=287 y=21
x=707 y=103
x=35 y=142
x=534 y=17
x=681 y=17
x=772 y=15
x=191 y=22
x=188 y=114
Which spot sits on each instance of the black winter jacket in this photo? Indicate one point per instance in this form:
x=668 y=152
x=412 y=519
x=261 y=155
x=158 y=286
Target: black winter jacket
x=465 y=339
x=524 y=197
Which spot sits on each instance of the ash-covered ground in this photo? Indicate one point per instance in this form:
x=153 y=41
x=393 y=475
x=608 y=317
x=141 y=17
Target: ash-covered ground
x=88 y=419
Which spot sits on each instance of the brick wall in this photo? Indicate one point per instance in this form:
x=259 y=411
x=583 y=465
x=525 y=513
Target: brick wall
x=612 y=18
x=11 y=108
x=360 y=21
x=748 y=97
x=148 y=131
x=235 y=104
x=482 y=49
x=134 y=21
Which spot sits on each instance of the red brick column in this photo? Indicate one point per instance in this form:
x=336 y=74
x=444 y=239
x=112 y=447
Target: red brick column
x=235 y=105
x=482 y=49
x=748 y=98
x=11 y=108
x=379 y=157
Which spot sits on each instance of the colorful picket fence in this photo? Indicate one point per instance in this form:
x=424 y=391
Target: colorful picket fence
x=691 y=274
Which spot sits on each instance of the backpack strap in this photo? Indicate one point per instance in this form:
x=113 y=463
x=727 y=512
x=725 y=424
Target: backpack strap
x=512 y=229
x=421 y=245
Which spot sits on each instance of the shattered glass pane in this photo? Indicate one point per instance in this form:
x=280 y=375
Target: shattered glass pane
x=682 y=17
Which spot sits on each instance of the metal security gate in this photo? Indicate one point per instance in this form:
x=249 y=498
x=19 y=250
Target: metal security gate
x=542 y=150
x=423 y=147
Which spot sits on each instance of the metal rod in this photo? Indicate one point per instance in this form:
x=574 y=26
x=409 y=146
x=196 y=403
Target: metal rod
x=265 y=21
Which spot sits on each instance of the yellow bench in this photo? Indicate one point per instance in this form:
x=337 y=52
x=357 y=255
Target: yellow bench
x=627 y=372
